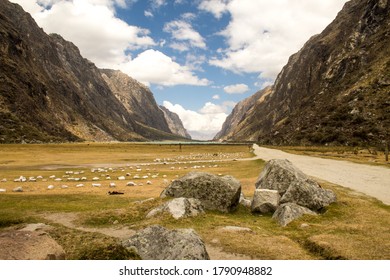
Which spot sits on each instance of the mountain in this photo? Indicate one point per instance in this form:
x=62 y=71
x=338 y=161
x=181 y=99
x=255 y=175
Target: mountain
x=239 y=114
x=174 y=122
x=49 y=92
x=335 y=90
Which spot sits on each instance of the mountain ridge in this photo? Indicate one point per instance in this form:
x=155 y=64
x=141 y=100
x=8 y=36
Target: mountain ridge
x=335 y=90
x=51 y=93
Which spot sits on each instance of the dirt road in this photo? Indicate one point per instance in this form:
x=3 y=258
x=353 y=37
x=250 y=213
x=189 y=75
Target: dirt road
x=371 y=180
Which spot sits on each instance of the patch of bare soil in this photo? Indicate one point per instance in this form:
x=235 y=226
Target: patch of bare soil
x=68 y=220
x=29 y=244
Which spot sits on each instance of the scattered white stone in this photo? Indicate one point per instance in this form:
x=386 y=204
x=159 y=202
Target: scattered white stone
x=52 y=176
x=57 y=179
x=39 y=177
x=50 y=187
x=83 y=179
x=149 y=182
x=95 y=179
x=18 y=189
x=79 y=185
x=164 y=176
x=128 y=174
x=108 y=178
x=121 y=178
x=131 y=184
x=140 y=184
x=139 y=169
x=64 y=187
x=112 y=185
x=145 y=177
x=4 y=180
x=136 y=177
x=96 y=185
x=3 y=190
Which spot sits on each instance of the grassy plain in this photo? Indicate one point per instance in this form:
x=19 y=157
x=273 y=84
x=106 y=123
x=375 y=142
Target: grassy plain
x=356 y=227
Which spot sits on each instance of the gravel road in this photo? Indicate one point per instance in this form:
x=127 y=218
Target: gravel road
x=371 y=180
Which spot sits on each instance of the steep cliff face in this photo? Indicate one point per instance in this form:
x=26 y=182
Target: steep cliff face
x=49 y=92
x=174 y=122
x=336 y=89
x=137 y=99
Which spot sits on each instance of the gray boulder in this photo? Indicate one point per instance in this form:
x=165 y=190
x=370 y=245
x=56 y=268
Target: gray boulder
x=158 y=243
x=280 y=174
x=293 y=185
x=215 y=193
x=311 y=196
x=288 y=212
x=179 y=208
x=265 y=201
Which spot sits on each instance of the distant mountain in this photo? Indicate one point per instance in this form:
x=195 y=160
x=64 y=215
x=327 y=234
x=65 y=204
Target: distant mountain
x=237 y=119
x=174 y=122
x=335 y=90
x=49 y=92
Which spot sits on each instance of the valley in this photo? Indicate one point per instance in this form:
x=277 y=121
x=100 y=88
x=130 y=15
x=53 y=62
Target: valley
x=101 y=221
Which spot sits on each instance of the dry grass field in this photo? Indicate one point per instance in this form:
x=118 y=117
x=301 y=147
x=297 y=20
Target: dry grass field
x=89 y=224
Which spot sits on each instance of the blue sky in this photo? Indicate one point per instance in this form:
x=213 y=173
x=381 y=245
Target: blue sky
x=198 y=57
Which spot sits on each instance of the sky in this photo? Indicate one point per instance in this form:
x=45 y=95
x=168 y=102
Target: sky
x=198 y=57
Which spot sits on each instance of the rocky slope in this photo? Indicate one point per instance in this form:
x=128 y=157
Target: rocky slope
x=335 y=90
x=49 y=92
x=174 y=122
x=239 y=114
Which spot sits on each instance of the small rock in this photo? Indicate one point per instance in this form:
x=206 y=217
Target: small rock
x=50 y=187
x=18 y=189
x=121 y=178
x=3 y=190
x=179 y=208
x=236 y=229
x=265 y=201
x=288 y=212
x=131 y=184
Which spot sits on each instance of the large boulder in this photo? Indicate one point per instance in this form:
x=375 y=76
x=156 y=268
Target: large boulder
x=311 y=196
x=215 y=193
x=29 y=243
x=265 y=201
x=280 y=174
x=293 y=185
x=288 y=212
x=179 y=208
x=158 y=243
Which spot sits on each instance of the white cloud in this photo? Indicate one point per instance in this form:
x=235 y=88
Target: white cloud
x=153 y=66
x=216 y=7
x=216 y=97
x=236 y=89
x=158 y=3
x=263 y=34
x=182 y=31
x=148 y=14
x=207 y=122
